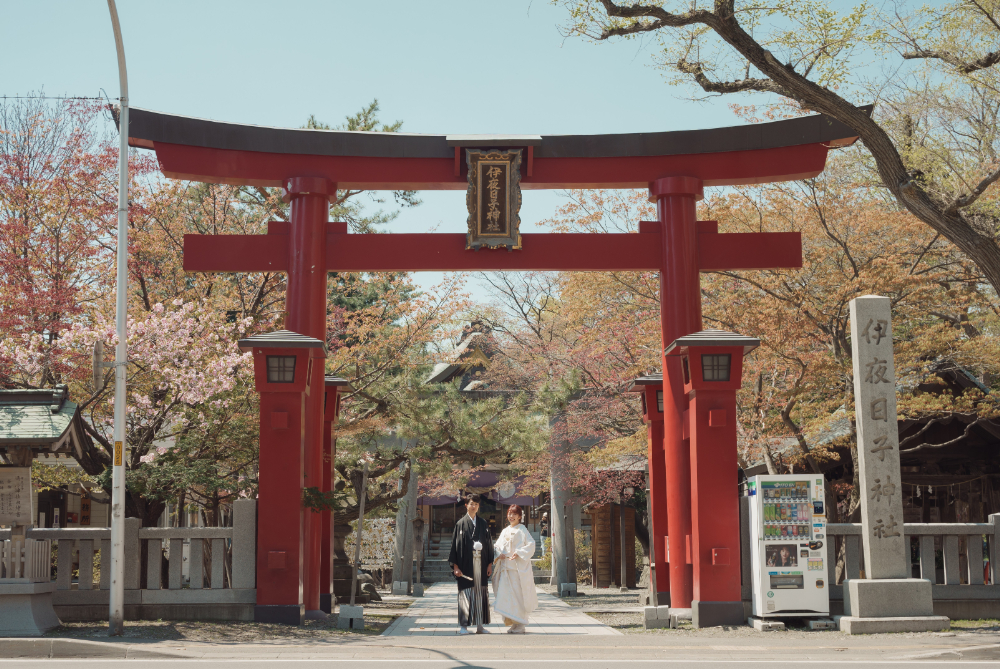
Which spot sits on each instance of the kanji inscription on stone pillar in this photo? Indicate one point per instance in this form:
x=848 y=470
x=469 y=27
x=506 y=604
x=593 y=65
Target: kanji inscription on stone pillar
x=15 y=496
x=885 y=548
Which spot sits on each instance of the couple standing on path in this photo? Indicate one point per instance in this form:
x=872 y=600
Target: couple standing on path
x=508 y=565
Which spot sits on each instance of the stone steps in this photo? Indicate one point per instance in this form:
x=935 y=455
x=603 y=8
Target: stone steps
x=439 y=548
x=439 y=571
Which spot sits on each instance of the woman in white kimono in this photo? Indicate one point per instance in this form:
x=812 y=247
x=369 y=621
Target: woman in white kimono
x=513 y=581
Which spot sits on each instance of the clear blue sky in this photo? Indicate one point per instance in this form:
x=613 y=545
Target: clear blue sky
x=274 y=63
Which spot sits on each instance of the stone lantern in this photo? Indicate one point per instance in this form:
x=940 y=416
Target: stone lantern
x=712 y=363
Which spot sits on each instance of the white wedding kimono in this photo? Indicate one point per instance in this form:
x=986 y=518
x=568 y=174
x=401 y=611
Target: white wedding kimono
x=513 y=581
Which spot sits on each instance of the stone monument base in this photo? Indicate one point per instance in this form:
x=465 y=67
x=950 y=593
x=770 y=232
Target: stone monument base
x=852 y=625
x=888 y=597
x=26 y=608
x=889 y=605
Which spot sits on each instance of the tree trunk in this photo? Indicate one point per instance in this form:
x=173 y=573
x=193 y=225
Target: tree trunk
x=562 y=532
x=404 y=519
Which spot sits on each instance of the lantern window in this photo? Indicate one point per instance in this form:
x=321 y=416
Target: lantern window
x=715 y=367
x=281 y=369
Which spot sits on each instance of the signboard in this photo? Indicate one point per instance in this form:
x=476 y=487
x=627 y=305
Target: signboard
x=84 y=509
x=15 y=496
x=494 y=198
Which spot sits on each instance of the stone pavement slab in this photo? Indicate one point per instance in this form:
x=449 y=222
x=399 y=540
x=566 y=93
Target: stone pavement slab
x=436 y=614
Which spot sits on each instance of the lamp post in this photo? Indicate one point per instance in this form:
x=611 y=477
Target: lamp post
x=116 y=613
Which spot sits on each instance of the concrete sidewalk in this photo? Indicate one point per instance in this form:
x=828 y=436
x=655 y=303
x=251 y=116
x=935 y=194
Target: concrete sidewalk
x=436 y=614
x=486 y=649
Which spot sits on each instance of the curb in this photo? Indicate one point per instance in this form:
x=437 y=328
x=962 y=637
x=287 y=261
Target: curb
x=54 y=648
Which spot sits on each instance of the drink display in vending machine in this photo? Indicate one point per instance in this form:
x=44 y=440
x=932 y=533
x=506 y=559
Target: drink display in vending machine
x=788 y=534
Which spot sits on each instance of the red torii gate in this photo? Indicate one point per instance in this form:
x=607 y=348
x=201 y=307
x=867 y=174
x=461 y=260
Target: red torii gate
x=310 y=165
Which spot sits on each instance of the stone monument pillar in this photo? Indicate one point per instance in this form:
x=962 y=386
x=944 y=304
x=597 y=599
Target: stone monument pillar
x=887 y=600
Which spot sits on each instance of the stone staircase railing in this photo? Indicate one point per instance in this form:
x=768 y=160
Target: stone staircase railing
x=206 y=593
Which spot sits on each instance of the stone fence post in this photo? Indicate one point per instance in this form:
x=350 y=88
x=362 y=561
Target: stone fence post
x=244 y=544
x=995 y=549
x=132 y=553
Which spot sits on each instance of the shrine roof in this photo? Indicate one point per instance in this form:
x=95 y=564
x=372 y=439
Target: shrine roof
x=280 y=339
x=147 y=127
x=38 y=418
x=336 y=381
x=638 y=384
x=714 y=338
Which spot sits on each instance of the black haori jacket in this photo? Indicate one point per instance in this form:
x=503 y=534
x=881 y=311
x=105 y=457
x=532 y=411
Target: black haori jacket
x=461 y=553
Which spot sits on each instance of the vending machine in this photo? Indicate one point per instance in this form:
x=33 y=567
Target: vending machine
x=787 y=535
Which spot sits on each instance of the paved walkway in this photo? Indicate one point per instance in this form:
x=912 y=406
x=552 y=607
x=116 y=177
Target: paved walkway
x=436 y=614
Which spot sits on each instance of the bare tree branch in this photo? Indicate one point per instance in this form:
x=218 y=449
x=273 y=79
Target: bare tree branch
x=722 y=87
x=963 y=66
x=655 y=18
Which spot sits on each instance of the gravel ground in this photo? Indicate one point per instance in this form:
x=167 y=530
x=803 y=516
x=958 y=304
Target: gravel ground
x=631 y=623
x=223 y=632
x=589 y=597
x=391 y=604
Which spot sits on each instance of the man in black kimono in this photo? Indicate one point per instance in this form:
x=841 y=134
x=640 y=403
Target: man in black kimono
x=473 y=603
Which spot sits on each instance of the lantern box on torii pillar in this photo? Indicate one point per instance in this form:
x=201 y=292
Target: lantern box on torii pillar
x=712 y=367
x=284 y=364
x=311 y=165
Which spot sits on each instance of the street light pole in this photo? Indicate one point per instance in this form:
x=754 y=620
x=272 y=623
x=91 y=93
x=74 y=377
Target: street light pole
x=116 y=618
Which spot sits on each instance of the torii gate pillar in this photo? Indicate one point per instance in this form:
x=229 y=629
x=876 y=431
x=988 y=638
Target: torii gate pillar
x=331 y=411
x=305 y=303
x=680 y=314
